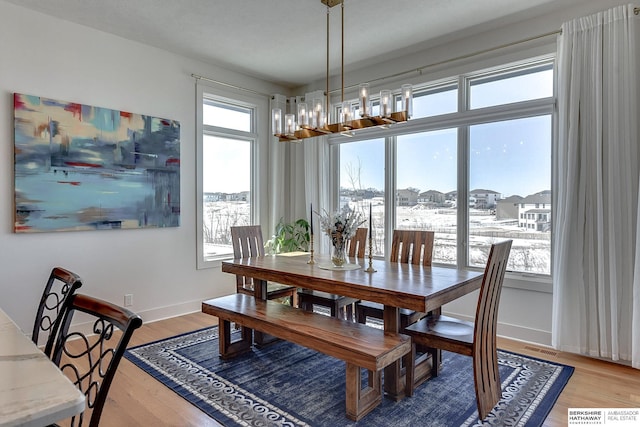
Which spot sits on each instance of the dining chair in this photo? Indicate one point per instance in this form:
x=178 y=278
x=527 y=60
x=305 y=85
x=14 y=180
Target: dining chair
x=247 y=241
x=61 y=285
x=409 y=247
x=338 y=305
x=476 y=339
x=90 y=359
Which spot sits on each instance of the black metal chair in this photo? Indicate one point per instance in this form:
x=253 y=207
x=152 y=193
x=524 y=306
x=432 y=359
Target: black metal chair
x=90 y=360
x=61 y=285
x=338 y=305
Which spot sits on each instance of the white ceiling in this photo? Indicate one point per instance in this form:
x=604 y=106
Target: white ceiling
x=284 y=41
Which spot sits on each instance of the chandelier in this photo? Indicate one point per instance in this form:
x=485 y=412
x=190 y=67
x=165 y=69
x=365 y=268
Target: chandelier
x=313 y=120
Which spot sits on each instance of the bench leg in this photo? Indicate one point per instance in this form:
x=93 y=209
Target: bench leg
x=359 y=401
x=261 y=340
x=409 y=360
x=230 y=349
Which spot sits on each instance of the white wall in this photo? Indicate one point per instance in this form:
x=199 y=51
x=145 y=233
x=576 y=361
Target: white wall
x=52 y=58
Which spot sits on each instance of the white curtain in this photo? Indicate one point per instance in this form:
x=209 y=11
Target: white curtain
x=596 y=261
x=298 y=175
x=317 y=178
x=276 y=172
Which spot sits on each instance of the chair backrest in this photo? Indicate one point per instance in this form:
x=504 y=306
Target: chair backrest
x=90 y=360
x=358 y=242
x=412 y=247
x=485 y=363
x=247 y=242
x=61 y=285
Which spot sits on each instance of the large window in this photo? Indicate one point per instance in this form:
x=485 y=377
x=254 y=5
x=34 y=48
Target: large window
x=362 y=183
x=510 y=167
x=473 y=165
x=226 y=155
x=426 y=188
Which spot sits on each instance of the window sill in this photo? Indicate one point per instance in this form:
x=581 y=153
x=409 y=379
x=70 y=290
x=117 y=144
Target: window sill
x=529 y=282
x=524 y=281
x=212 y=262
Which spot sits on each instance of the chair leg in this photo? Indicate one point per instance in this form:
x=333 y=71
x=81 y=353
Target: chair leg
x=348 y=309
x=334 y=310
x=436 y=361
x=305 y=305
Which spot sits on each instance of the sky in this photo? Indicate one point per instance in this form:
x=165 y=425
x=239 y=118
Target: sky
x=510 y=157
x=224 y=158
x=226 y=168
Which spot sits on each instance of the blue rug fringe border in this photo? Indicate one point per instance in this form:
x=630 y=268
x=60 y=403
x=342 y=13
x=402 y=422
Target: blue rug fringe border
x=556 y=389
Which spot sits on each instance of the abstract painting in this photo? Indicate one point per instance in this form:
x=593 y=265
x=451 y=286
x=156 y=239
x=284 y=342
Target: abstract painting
x=80 y=167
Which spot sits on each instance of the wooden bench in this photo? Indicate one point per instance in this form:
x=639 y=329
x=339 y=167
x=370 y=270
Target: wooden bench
x=358 y=345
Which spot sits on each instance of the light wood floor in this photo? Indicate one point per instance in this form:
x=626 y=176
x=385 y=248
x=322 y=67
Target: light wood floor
x=136 y=399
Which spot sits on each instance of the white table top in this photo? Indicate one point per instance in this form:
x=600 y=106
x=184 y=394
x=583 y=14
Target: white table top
x=33 y=391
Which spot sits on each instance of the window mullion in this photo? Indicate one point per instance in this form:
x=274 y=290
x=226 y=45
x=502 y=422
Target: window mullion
x=463 y=178
x=390 y=190
x=463 y=197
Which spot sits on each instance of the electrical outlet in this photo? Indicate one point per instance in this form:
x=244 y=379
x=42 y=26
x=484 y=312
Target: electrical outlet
x=128 y=300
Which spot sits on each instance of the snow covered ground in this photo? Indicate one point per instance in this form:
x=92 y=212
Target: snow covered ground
x=531 y=250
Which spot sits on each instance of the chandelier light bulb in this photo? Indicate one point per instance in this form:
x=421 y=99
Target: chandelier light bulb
x=385 y=103
x=289 y=124
x=364 y=100
x=303 y=115
x=407 y=99
x=276 y=121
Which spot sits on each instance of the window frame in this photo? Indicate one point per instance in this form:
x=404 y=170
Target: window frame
x=463 y=119
x=258 y=141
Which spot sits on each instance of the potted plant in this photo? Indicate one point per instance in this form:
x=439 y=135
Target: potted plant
x=289 y=237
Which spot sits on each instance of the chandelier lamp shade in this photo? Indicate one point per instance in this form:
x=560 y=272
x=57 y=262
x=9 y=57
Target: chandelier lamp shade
x=310 y=120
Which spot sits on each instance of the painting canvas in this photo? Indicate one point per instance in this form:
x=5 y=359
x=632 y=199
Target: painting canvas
x=80 y=167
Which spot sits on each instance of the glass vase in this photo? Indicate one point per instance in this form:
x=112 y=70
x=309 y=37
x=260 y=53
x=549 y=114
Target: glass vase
x=338 y=253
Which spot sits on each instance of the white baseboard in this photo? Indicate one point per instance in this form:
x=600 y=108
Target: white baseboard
x=516 y=332
x=152 y=315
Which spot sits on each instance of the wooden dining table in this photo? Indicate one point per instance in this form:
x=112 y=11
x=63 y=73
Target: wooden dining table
x=395 y=285
x=33 y=390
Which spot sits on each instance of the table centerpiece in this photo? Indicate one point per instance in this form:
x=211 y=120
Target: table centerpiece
x=340 y=226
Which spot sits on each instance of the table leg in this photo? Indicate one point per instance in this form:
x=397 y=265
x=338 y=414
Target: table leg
x=260 y=292
x=436 y=361
x=393 y=378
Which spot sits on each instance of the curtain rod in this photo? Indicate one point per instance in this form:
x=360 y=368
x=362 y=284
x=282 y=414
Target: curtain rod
x=413 y=70
x=419 y=70
x=197 y=77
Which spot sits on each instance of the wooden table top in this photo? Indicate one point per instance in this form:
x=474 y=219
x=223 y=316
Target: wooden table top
x=401 y=285
x=33 y=391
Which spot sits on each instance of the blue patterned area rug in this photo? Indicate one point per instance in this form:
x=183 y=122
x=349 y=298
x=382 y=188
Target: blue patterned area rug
x=288 y=385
